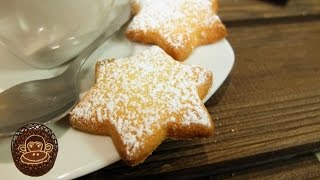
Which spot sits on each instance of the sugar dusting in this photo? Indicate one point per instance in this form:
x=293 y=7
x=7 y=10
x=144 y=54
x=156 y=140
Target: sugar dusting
x=141 y=94
x=174 y=19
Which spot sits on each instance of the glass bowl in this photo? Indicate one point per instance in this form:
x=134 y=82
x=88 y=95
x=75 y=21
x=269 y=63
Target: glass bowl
x=47 y=33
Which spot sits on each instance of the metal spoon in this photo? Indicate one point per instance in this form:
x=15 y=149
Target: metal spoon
x=48 y=100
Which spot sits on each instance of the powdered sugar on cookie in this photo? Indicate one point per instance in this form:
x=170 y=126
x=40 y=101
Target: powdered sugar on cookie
x=177 y=22
x=140 y=95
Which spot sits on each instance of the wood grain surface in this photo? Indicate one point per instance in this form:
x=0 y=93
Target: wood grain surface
x=267 y=113
x=301 y=167
x=244 y=10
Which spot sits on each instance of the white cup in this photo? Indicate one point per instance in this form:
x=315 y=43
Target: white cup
x=48 y=33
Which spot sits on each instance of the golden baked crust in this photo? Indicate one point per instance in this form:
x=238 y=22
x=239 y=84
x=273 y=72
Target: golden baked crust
x=176 y=26
x=142 y=100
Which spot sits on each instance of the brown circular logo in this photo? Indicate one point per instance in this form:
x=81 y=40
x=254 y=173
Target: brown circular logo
x=34 y=149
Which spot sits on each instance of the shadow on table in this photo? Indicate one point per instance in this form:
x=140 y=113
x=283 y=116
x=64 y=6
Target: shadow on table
x=166 y=157
x=219 y=94
x=277 y=2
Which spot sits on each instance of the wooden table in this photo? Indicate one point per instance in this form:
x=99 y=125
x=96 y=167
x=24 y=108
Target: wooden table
x=267 y=113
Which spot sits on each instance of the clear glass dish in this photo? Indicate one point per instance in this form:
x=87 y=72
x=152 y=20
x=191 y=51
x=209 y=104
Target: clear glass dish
x=47 y=33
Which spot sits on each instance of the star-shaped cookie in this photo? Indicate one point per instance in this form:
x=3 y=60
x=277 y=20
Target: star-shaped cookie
x=142 y=100
x=177 y=26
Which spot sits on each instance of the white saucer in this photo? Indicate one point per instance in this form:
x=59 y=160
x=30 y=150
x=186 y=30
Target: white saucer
x=81 y=153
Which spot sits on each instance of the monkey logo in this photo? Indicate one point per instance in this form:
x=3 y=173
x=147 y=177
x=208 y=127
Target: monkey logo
x=34 y=149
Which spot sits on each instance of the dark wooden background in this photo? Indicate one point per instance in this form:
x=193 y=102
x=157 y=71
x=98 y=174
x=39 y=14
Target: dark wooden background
x=267 y=113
